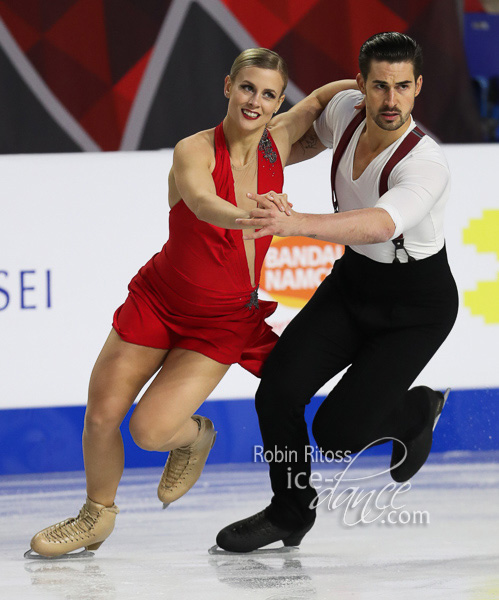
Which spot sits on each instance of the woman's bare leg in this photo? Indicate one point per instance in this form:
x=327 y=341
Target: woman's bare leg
x=120 y=372
x=162 y=419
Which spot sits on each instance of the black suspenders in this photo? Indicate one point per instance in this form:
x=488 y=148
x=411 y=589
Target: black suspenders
x=405 y=147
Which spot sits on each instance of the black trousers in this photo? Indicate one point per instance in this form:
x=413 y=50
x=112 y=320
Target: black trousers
x=384 y=322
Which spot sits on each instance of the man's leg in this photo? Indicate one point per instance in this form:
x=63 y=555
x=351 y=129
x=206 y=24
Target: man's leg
x=319 y=343
x=387 y=323
x=372 y=400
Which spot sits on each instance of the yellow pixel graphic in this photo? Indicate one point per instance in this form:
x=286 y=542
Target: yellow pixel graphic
x=484 y=235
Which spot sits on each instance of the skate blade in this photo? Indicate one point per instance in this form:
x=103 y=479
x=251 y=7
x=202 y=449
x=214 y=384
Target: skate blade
x=444 y=400
x=83 y=553
x=216 y=550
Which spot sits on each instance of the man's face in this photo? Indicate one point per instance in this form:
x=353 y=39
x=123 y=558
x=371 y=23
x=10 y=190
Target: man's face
x=390 y=90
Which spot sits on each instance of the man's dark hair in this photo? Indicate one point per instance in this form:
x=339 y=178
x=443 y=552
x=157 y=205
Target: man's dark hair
x=392 y=47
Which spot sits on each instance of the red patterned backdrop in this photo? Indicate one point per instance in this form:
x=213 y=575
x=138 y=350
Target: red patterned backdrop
x=141 y=74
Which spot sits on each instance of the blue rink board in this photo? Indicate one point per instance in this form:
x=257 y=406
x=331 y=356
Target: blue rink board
x=40 y=440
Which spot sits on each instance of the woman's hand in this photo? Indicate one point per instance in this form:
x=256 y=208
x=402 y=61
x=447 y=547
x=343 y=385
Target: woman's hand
x=280 y=200
x=269 y=219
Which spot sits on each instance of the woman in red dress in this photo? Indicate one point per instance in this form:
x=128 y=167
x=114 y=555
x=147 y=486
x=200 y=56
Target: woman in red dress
x=193 y=309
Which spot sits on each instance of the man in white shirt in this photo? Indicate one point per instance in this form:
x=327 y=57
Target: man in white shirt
x=384 y=310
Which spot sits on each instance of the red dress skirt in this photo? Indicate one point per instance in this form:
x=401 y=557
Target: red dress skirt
x=196 y=292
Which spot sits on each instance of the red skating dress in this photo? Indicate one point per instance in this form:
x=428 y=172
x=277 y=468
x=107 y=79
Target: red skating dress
x=196 y=293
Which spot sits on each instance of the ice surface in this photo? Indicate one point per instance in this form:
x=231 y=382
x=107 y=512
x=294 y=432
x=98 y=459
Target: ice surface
x=155 y=553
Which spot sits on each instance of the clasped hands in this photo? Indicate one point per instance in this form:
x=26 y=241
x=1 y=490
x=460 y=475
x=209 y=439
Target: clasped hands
x=273 y=216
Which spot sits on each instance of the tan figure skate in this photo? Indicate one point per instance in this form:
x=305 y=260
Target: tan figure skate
x=88 y=530
x=185 y=465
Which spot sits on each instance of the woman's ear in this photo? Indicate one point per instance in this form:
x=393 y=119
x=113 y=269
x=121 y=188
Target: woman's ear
x=281 y=100
x=227 y=86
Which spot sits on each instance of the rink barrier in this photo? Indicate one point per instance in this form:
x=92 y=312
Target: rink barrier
x=38 y=440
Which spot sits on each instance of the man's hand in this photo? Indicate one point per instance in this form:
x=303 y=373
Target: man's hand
x=269 y=219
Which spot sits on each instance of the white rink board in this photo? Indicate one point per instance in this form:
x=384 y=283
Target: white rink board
x=92 y=220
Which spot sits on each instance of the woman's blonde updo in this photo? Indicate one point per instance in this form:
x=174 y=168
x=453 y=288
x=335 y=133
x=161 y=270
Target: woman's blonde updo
x=262 y=58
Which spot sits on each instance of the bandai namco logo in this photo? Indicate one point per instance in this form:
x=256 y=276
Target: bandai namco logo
x=295 y=267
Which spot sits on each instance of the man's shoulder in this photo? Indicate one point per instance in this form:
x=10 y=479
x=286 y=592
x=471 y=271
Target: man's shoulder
x=428 y=149
x=342 y=105
x=425 y=160
x=336 y=116
x=348 y=98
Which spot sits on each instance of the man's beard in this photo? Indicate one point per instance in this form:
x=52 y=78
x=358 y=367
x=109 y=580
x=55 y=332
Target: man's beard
x=391 y=125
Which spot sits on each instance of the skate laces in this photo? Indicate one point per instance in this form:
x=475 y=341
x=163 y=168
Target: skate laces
x=176 y=466
x=73 y=528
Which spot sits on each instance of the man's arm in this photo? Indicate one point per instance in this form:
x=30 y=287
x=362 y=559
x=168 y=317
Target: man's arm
x=363 y=226
x=418 y=184
x=357 y=227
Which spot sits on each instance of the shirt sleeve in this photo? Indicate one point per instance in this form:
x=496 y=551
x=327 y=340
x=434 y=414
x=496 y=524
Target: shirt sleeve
x=416 y=185
x=335 y=118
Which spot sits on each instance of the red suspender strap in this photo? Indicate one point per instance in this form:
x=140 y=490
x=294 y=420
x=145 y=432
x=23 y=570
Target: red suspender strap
x=411 y=140
x=405 y=147
x=340 y=150
x=403 y=150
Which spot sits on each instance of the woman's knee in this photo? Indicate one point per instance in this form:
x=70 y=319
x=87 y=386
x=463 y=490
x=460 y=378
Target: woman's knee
x=145 y=438
x=103 y=418
x=148 y=434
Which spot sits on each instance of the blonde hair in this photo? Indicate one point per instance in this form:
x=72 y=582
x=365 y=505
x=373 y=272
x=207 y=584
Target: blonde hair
x=262 y=58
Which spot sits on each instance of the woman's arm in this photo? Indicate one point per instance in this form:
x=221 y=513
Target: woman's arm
x=308 y=146
x=296 y=123
x=191 y=167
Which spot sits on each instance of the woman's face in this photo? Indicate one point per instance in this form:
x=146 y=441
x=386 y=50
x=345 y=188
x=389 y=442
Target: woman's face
x=254 y=96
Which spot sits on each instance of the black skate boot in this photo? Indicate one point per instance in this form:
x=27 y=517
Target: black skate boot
x=418 y=449
x=258 y=531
